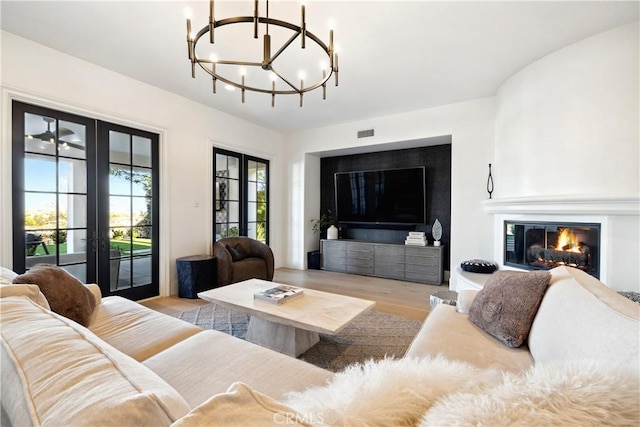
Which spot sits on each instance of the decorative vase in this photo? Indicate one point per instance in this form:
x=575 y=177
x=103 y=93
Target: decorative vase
x=436 y=232
x=332 y=233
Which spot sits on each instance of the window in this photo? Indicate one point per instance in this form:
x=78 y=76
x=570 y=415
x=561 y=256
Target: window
x=241 y=196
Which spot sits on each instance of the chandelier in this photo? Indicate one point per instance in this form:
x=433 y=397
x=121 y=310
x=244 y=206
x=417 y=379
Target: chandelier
x=269 y=78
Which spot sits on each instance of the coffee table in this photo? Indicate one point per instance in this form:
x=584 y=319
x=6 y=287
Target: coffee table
x=293 y=327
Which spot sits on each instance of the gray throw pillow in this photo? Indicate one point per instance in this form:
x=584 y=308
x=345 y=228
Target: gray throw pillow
x=67 y=296
x=507 y=304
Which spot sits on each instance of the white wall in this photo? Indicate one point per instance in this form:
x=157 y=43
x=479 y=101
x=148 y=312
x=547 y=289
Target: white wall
x=40 y=75
x=471 y=125
x=569 y=124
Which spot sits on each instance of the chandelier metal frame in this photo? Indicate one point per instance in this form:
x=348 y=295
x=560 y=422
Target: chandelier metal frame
x=267 y=63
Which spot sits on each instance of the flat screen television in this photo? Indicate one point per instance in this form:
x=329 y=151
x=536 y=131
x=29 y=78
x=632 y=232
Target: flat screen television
x=389 y=196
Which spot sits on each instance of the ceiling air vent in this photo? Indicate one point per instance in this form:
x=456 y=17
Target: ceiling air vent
x=365 y=133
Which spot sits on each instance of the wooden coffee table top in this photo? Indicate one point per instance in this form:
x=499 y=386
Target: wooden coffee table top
x=316 y=311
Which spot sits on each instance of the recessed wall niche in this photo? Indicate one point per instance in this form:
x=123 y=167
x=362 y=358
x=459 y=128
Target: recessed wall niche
x=437 y=162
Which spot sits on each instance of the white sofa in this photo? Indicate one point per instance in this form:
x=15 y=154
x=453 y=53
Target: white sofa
x=134 y=366
x=131 y=366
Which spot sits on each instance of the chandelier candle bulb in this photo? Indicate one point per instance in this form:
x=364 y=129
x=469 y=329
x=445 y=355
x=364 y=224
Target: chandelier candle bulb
x=255 y=20
x=243 y=88
x=211 y=22
x=304 y=28
x=213 y=71
x=301 y=87
x=266 y=52
x=324 y=85
x=331 y=47
x=189 y=40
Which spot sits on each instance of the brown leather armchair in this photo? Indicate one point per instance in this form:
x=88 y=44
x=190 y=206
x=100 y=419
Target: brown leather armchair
x=242 y=258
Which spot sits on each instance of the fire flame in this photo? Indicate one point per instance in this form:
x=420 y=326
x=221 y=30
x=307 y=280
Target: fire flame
x=567 y=241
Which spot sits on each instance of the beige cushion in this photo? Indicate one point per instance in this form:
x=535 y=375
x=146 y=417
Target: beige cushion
x=453 y=336
x=580 y=317
x=507 y=304
x=209 y=362
x=465 y=299
x=56 y=372
x=241 y=406
x=30 y=291
x=67 y=296
x=7 y=275
x=136 y=330
x=97 y=293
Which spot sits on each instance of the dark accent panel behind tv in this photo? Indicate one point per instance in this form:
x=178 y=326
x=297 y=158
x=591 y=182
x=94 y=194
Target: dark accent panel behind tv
x=437 y=162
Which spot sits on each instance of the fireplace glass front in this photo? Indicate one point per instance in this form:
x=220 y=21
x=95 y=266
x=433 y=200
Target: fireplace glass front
x=545 y=245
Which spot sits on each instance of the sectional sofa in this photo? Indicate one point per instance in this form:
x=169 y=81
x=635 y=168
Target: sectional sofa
x=135 y=366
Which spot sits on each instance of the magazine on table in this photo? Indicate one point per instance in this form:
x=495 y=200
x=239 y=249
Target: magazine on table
x=279 y=294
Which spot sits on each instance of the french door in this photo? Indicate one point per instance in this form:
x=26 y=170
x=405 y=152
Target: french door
x=241 y=195
x=85 y=199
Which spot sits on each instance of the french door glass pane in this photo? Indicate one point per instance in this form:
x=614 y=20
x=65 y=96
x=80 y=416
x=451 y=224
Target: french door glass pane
x=234 y=189
x=252 y=191
x=119 y=147
x=73 y=140
x=139 y=179
x=141 y=270
x=119 y=180
x=141 y=151
x=43 y=173
x=72 y=210
x=71 y=175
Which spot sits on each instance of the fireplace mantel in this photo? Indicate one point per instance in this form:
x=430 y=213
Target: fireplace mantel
x=565 y=205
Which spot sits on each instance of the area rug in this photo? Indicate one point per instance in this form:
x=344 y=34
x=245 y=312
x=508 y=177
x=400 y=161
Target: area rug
x=373 y=335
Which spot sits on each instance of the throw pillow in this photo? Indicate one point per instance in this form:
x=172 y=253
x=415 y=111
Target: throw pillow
x=237 y=253
x=478 y=266
x=32 y=292
x=465 y=299
x=243 y=406
x=507 y=304
x=66 y=295
x=7 y=275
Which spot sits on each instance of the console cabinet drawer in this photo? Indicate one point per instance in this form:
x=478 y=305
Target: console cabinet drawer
x=390 y=253
x=392 y=270
x=334 y=255
x=422 y=256
x=360 y=257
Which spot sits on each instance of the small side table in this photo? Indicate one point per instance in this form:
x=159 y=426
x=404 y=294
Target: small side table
x=442 y=297
x=196 y=274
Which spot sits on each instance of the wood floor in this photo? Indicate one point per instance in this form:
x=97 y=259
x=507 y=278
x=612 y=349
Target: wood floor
x=406 y=299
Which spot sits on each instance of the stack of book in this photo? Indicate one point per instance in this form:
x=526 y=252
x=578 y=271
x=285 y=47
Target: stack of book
x=416 y=238
x=279 y=294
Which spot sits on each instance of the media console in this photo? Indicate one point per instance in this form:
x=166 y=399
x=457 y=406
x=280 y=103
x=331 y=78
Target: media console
x=421 y=264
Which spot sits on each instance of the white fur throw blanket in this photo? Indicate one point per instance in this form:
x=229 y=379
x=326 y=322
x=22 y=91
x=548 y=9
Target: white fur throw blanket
x=438 y=392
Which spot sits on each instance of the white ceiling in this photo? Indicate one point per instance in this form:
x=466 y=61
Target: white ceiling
x=395 y=56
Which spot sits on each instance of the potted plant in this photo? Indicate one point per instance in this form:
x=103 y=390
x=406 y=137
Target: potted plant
x=320 y=226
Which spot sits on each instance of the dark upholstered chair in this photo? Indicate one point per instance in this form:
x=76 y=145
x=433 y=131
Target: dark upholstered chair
x=242 y=258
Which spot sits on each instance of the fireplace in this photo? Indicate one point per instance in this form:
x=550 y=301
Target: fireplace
x=545 y=245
